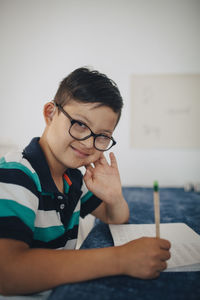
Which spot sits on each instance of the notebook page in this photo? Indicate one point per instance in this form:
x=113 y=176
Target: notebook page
x=185 y=243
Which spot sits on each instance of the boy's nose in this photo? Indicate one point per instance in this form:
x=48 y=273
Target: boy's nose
x=88 y=143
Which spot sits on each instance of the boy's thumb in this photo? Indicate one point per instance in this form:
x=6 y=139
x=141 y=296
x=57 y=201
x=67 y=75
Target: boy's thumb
x=87 y=174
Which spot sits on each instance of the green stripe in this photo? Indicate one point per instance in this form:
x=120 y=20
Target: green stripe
x=2 y=160
x=18 y=166
x=10 y=208
x=74 y=220
x=49 y=233
x=51 y=195
x=66 y=186
x=86 y=197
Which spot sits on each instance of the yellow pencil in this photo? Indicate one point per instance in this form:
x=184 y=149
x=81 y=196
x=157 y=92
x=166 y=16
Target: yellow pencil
x=156 y=208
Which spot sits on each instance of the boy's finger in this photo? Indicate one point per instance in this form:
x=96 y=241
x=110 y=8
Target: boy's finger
x=87 y=177
x=97 y=162
x=165 y=244
x=102 y=159
x=164 y=255
x=113 y=160
x=89 y=167
x=87 y=173
x=163 y=266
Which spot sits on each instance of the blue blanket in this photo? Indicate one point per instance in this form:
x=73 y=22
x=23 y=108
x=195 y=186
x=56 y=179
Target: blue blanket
x=176 y=205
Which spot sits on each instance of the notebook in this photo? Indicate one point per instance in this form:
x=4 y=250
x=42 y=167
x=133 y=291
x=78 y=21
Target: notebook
x=185 y=242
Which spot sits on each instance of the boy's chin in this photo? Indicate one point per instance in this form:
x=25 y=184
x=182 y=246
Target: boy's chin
x=76 y=165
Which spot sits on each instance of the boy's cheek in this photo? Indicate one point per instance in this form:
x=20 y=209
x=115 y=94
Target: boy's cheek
x=94 y=157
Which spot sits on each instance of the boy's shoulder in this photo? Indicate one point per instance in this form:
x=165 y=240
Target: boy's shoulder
x=15 y=162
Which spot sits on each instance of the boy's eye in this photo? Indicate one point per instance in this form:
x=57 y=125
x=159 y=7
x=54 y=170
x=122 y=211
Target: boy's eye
x=103 y=137
x=82 y=125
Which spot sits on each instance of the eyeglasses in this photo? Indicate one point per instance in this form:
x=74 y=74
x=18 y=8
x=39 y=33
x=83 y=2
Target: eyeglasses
x=80 y=131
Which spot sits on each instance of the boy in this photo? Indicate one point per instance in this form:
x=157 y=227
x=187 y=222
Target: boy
x=42 y=198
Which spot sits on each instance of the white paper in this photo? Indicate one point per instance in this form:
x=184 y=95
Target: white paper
x=185 y=242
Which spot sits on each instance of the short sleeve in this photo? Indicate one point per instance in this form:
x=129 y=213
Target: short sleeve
x=18 y=205
x=89 y=202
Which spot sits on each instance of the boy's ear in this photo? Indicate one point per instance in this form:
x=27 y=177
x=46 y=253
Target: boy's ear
x=48 y=112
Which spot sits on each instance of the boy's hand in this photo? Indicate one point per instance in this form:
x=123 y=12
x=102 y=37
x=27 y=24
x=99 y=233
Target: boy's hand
x=103 y=179
x=144 y=258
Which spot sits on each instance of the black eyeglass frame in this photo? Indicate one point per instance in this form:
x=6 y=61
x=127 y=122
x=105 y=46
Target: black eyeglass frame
x=94 y=135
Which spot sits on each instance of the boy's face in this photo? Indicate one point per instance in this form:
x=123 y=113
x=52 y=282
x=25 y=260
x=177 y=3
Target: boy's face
x=66 y=152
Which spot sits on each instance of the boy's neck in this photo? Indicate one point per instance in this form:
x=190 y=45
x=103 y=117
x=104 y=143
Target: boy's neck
x=59 y=183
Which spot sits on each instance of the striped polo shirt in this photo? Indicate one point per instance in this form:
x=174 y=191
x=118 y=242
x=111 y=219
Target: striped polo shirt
x=32 y=209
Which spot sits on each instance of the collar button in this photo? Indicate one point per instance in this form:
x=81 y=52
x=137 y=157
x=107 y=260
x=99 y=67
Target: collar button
x=62 y=206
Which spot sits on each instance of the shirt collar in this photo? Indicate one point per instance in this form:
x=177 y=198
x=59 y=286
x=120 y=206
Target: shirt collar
x=34 y=154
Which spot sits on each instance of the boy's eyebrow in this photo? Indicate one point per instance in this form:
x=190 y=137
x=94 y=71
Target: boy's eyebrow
x=90 y=124
x=85 y=118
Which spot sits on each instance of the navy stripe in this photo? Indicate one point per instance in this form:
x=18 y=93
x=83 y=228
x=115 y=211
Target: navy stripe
x=91 y=204
x=51 y=201
x=14 y=228
x=48 y=202
x=10 y=208
x=18 y=177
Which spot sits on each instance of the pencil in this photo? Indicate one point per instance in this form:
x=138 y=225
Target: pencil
x=156 y=208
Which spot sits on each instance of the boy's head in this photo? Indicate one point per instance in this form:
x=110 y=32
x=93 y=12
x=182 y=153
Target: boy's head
x=89 y=86
x=81 y=119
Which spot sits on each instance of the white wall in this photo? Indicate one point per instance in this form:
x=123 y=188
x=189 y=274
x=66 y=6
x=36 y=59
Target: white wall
x=44 y=40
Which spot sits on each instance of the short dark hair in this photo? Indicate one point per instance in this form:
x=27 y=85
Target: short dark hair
x=89 y=86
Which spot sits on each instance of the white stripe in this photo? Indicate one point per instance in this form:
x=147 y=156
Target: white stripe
x=16 y=156
x=19 y=194
x=84 y=189
x=47 y=219
x=71 y=244
x=26 y=163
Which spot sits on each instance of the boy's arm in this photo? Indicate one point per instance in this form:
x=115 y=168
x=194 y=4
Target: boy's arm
x=103 y=180
x=24 y=270
x=116 y=213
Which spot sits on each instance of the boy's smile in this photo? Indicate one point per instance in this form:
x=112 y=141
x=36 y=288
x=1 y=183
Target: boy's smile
x=79 y=152
x=61 y=149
